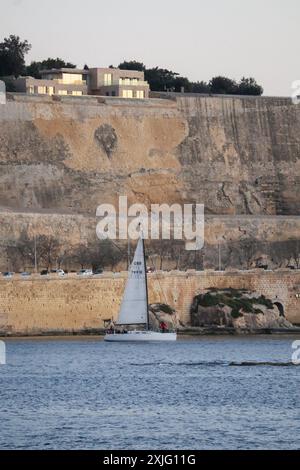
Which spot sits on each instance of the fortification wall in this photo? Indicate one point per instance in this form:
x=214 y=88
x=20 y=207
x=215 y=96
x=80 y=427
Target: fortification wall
x=44 y=306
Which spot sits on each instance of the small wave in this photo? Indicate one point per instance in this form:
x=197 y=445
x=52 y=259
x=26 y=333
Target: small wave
x=185 y=364
x=214 y=364
x=264 y=363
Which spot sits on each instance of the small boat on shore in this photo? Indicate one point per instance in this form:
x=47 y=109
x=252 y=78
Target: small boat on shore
x=134 y=308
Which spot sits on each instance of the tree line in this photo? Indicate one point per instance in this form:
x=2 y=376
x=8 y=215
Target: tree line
x=12 y=63
x=161 y=79
x=52 y=253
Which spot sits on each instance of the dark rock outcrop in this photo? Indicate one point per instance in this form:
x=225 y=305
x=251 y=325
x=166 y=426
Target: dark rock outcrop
x=163 y=313
x=238 y=309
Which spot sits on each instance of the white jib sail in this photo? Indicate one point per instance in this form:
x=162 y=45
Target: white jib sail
x=134 y=304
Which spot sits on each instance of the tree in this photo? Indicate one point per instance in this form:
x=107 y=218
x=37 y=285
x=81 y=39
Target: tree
x=131 y=65
x=82 y=254
x=249 y=86
x=13 y=259
x=294 y=249
x=161 y=79
x=161 y=250
x=48 y=249
x=35 y=68
x=9 y=84
x=200 y=87
x=248 y=250
x=182 y=84
x=106 y=253
x=25 y=249
x=177 y=250
x=223 y=85
x=12 y=56
x=98 y=254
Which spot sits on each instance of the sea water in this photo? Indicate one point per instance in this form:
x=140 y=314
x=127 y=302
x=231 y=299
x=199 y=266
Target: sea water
x=197 y=393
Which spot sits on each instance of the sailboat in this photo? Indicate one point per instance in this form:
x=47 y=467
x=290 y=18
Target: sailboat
x=134 y=306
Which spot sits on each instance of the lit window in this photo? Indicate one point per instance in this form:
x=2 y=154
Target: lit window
x=140 y=94
x=62 y=92
x=107 y=79
x=41 y=90
x=127 y=94
x=50 y=90
x=71 y=78
x=31 y=90
x=77 y=93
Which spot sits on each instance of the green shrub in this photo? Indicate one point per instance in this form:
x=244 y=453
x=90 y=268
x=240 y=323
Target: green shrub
x=235 y=299
x=166 y=309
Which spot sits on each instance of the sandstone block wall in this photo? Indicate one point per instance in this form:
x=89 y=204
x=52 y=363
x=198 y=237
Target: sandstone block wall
x=73 y=305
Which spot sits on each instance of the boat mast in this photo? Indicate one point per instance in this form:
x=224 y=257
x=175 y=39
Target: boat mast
x=145 y=272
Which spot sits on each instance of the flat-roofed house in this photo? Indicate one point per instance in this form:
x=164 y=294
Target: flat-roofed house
x=118 y=82
x=55 y=82
x=77 y=82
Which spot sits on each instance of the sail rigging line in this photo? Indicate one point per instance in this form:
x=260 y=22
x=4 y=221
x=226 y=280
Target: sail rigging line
x=146 y=282
x=157 y=278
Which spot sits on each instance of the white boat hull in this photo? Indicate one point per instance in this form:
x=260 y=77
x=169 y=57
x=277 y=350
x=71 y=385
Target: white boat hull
x=139 y=336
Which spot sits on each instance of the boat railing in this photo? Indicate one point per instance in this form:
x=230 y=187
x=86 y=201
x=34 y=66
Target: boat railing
x=123 y=331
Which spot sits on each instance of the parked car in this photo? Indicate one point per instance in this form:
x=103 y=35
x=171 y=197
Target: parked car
x=150 y=270
x=44 y=272
x=97 y=271
x=8 y=274
x=85 y=272
x=59 y=272
x=25 y=274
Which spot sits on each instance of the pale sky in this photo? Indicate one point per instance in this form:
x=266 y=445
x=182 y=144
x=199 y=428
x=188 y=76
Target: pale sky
x=196 y=38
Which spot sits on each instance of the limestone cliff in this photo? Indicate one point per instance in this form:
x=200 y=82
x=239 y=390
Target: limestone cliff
x=235 y=155
x=240 y=156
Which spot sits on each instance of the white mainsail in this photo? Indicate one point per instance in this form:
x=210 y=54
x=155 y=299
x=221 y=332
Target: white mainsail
x=134 y=308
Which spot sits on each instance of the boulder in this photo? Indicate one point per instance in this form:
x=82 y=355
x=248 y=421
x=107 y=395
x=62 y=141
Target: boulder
x=163 y=313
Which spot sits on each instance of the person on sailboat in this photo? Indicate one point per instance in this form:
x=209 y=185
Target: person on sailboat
x=163 y=326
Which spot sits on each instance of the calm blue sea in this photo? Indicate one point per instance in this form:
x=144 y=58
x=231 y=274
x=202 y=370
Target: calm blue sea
x=87 y=394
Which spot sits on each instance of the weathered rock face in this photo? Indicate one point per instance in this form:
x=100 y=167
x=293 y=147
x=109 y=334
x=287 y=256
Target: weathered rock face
x=235 y=155
x=212 y=316
x=269 y=319
x=238 y=156
x=73 y=157
x=238 y=309
x=163 y=313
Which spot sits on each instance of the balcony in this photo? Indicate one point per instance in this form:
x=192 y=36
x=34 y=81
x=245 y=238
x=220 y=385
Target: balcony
x=139 y=83
x=61 y=81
